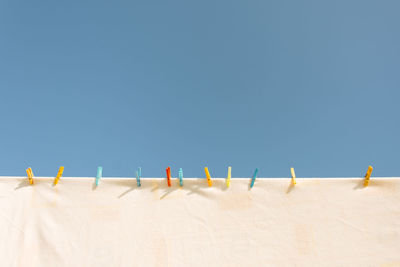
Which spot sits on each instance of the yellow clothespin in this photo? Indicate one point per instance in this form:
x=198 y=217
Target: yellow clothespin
x=208 y=176
x=293 y=176
x=368 y=175
x=228 y=179
x=59 y=174
x=30 y=175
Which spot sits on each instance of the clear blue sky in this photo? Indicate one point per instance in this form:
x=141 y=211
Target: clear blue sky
x=268 y=84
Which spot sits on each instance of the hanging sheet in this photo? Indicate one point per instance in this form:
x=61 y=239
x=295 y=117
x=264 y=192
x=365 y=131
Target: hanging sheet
x=318 y=222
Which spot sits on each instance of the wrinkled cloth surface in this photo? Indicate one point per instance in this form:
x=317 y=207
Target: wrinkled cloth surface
x=317 y=222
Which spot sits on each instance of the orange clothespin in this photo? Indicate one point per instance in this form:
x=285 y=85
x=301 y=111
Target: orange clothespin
x=209 y=181
x=30 y=175
x=368 y=175
x=59 y=174
x=293 y=176
x=168 y=176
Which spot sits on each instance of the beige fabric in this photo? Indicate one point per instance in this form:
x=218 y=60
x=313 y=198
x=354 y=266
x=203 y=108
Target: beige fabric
x=319 y=222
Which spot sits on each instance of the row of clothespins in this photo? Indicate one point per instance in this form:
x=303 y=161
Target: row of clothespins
x=180 y=176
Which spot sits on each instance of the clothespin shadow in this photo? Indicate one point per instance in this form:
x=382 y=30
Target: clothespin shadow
x=165 y=188
x=200 y=188
x=127 y=191
x=168 y=190
x=24 y=183
x=220 y=183
x=366 y=181
x=156 y=186
x=144 y=185
x=253 y=179
x=292 y=182
x=133 y=188
x=191 y=186
x=197 y=186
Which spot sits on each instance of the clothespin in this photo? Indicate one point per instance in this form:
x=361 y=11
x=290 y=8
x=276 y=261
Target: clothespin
x=228 y=178
x=180 y=177
x=30 y=175
x=138 y=174
x=168 y=176
x=59 y=174
x=208 y=176
x=293 y=176
x=254 y=178
x=99 y=175
x=368 y=175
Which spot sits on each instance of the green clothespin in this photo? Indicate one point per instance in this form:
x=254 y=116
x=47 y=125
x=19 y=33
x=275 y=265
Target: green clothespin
x=254 y=178
x=138 y=174
x=99 y=175
x=180 y=177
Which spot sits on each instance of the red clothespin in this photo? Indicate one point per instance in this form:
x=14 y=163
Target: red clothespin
x=168 y=176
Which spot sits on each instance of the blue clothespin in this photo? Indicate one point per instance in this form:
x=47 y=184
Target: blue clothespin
x=180 y=177
x=99 y=175
x=254 y=178
x=138 y=174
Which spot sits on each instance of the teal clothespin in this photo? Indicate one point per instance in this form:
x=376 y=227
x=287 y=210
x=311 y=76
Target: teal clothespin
x=180 y=177
x=99 y=175
x=138 y=174
x=254 y=178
